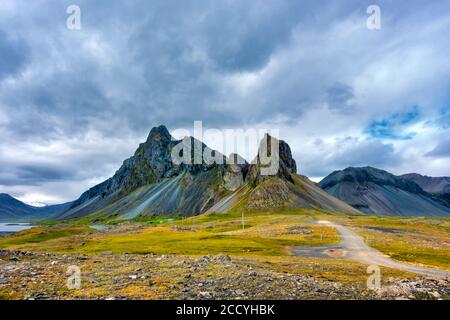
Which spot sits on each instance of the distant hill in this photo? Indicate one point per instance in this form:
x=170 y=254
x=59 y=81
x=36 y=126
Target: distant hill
x=376 y=191
x=13 y=210
x=439 y=187
x=149 y=183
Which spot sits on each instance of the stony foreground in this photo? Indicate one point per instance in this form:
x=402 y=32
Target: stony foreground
x=25 y=275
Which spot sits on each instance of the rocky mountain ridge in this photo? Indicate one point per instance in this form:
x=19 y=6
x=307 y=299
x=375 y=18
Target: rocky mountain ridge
x=150 y=183
x=375 y=191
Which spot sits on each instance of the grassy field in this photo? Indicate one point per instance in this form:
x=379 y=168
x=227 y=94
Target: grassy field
x=263 y=234
x=168 y=250
x=42 y=234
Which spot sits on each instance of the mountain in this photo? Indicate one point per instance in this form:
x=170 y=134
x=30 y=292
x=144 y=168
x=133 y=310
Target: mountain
x=150 y=183
x=376 y=191
x=285 y=189
x=439 y=187
x=13 y=210
x=436 y=185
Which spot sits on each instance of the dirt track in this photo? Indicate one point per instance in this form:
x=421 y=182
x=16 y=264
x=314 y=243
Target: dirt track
x=353 y=247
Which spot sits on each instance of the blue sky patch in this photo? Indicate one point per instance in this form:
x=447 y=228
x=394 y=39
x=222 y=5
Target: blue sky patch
x=393 y=127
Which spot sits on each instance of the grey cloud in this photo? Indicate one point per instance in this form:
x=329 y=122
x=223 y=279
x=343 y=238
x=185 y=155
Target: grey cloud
x=14 y=55
x=33 y=175
x=233 y=63
x=442 y=150
x=340 y=96
x=29 y=172
x=168 y=60
x=243 y=36
x=347 y=152
x=48 y=108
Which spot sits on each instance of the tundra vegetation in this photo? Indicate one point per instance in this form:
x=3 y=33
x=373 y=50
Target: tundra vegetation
x=216 y=255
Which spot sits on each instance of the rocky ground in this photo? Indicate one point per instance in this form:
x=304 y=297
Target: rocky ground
x=25 y=275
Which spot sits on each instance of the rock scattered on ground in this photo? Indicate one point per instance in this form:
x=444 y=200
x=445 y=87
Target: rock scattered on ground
x=107 y=276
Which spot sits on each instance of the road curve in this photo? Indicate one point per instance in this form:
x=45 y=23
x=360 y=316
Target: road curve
x=353 y=247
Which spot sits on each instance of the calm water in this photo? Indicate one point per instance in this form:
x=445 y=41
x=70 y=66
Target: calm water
x=8 y=228
x=99 y=227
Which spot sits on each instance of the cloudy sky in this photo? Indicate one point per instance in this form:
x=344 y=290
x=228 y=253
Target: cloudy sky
x=75 y=103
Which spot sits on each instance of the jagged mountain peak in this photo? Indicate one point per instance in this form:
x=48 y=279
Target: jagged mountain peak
x=286 y=165
x=186 y=188
x=287 y=162
x=159 y=133
x=286 y=158
x=153 y=165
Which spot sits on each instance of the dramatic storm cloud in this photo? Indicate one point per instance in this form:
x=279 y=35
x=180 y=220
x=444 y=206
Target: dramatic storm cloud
x=75 y=103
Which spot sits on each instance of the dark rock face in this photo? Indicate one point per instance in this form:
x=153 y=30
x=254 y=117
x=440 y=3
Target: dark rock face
x=169 y=187
x=235 y=172
x=287 y=165
x=152 y=164
x=375 y=191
